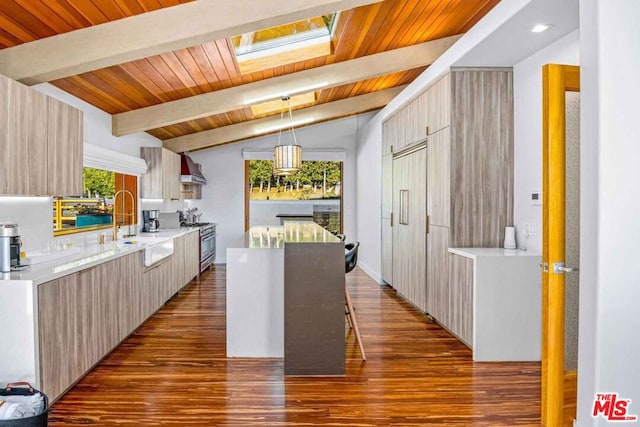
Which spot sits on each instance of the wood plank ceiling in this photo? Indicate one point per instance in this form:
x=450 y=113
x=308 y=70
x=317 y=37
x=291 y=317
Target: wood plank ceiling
x=212 y=66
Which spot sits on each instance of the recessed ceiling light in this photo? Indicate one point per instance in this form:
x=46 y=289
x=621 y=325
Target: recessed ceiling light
x=538 y=28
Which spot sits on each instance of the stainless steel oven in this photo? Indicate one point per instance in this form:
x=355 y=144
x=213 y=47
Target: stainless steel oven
x=207 y=245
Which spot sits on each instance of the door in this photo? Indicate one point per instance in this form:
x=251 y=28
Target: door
x=560 y=234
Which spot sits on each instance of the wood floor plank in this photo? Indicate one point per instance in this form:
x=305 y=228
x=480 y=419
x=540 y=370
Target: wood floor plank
x=173 y=371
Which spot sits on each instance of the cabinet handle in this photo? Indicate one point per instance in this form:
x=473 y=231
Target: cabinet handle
x=404 y=201
x=427 y=223
x=426 y=130
x=392 y=219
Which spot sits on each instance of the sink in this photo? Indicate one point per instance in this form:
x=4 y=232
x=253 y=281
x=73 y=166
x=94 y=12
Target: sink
x=156 y=248
x=155 y=252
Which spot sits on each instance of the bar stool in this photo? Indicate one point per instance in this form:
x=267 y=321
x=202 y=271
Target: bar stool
x=350 y=261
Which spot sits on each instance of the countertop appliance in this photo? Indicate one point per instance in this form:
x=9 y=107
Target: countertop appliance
x=9 y=247
x=150 y=221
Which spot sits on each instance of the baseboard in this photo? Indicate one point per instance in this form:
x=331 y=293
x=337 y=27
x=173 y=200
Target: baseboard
x=575 y=423
x=371 y=273
x=220 y=260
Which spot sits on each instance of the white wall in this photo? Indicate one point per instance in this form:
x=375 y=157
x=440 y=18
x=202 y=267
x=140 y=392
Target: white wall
x=33 y=214
x=609 y=290
x=527 y=105
x=369 y=198
x=223 y=196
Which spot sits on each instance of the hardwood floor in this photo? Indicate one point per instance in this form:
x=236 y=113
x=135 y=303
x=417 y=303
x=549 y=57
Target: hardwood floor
x=173 y=371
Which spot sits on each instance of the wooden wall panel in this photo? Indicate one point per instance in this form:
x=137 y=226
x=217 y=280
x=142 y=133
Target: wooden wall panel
x=482 y=157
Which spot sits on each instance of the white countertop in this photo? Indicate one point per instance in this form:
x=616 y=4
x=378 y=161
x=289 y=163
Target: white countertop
x=79 y=258
x=474 y=253
x=307 y=232
x=274 y=237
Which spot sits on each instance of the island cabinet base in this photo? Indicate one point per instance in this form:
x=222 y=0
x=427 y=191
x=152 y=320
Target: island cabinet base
x=285 y=298
x=314 y=341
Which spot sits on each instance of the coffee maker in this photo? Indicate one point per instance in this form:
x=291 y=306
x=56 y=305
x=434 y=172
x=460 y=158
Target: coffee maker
x=150 y=221
x=9 y=247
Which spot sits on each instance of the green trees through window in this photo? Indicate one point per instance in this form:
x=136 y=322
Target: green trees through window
x=316 y=180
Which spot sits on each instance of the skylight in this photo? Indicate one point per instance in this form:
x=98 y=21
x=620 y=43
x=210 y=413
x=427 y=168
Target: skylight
x=292 y=42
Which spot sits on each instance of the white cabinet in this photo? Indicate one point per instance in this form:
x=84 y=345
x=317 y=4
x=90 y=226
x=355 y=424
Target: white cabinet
x=504 y=301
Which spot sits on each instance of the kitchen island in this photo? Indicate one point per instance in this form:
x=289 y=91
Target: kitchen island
x=285 y=297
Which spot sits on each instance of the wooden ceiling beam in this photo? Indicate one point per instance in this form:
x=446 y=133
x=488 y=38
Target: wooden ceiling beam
x=237 y=97
x=258 y=127
x=153 y=33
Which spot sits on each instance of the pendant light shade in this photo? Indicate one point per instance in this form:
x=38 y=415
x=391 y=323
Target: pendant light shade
x=287 y=159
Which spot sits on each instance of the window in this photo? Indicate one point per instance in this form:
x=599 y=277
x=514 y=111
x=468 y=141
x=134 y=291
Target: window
x=313 y=193
x=93 y=210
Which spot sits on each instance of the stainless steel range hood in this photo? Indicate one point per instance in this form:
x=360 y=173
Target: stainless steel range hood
x=190 y=172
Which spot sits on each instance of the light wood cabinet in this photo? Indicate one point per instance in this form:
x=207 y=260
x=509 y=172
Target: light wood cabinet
x=41 y=143
x=481 y=157
x=438 y=178
x=162 y=179
x=191 y=256
x=129 y=296
x=409 y=238
x=61 y=352
x=77 y=325
x=186 y=260
x=439 y=104
x=191 y=191
x=461 y=297
x=64 y=140
x=387 y=138
x=469 y=181
x=438 y=273
x=23 y=140
x=83 y=316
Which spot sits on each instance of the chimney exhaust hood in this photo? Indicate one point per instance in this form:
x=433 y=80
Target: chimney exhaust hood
x=190 y=172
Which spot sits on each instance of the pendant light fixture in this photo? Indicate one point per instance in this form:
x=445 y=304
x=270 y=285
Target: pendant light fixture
x=287 y=159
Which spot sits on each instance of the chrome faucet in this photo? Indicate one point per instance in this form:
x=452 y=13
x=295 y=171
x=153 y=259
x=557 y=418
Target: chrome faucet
x=131 y=214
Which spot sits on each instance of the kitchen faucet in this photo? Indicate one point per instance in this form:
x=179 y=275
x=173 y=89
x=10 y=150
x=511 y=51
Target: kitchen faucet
x=131 y=214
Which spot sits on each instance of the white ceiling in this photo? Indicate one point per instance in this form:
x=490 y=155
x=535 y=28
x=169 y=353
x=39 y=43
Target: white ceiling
x=513 y=41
